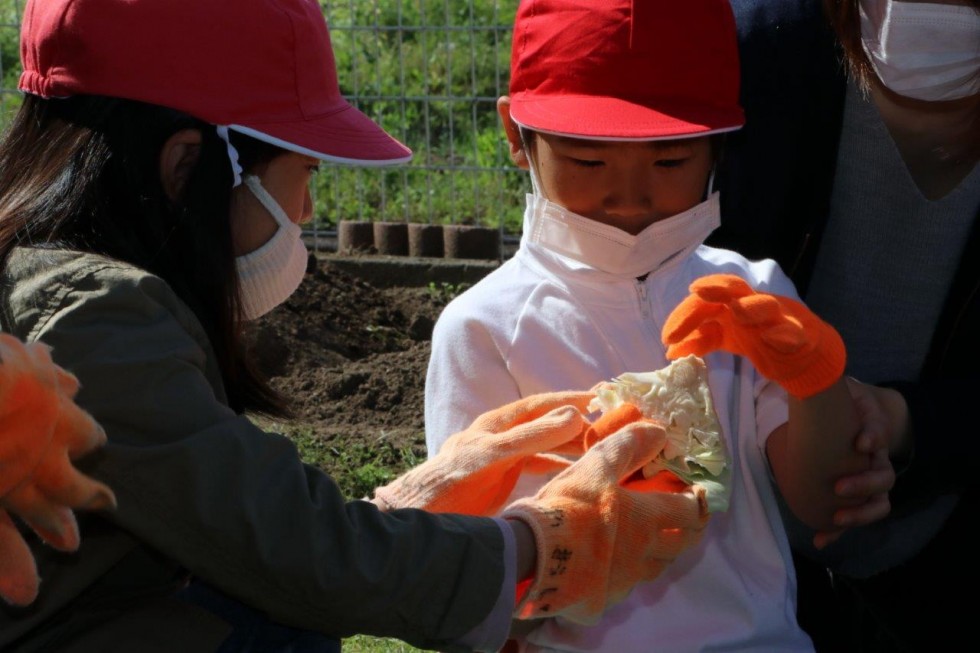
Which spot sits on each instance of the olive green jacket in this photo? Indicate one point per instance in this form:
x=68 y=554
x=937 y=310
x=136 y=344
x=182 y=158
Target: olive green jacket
x=205 y=491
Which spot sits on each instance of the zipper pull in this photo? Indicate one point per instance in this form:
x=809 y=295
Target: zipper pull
x=641 y=290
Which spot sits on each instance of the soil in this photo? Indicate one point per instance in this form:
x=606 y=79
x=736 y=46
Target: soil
x=353 y=355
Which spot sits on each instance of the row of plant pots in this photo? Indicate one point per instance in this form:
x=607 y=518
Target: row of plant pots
x=419 y=240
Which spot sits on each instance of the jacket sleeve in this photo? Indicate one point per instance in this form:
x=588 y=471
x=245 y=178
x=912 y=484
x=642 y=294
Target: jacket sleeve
x=235 y=505
x=468 y=372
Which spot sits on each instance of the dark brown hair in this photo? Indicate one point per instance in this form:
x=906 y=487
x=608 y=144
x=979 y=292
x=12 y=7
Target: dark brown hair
x=83 y=173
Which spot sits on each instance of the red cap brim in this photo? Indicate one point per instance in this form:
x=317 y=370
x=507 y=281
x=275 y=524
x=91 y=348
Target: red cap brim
x=342 y=136
x=616 y=119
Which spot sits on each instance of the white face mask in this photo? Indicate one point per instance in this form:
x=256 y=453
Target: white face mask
x=270 y=274
x=922 y=50
x=612 y=250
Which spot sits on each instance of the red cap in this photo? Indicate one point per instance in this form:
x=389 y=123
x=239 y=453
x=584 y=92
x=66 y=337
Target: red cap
x=625 y=69
x=261 y=67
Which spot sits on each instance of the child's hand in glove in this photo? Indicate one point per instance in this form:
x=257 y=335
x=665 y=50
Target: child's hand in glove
x=598 y=537
x=785 y=341
x=41 y=431
x=477 y=468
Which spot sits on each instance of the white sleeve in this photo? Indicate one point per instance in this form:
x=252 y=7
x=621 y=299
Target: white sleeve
x=467 y=374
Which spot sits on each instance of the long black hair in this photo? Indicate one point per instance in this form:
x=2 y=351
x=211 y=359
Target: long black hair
x=83 y=173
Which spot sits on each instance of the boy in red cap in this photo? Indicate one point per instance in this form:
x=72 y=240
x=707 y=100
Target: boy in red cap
x=618 y=110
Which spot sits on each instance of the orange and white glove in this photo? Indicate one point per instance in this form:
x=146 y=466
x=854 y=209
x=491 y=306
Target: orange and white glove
x=784 y=339
x=477 y=468
x=598 y=535
x=41 y=431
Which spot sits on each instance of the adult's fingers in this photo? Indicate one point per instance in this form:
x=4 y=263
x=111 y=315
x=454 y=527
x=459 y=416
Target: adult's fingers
x=872 y=510
x=879 y=478
x=875 y=508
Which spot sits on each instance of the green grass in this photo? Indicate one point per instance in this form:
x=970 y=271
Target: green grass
x=357 y=467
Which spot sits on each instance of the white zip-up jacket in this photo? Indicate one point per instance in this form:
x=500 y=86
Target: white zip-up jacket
x=542 y=322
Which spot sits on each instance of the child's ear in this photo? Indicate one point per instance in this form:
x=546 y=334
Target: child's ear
x=513 y=132
x=177 y=159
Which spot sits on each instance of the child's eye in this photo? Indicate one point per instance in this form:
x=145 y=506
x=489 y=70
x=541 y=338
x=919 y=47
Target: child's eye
x=670 y=163
x=587 y=163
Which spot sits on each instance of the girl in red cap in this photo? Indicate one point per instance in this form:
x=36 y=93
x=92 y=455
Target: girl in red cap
x=131 y=248
x=619 y=109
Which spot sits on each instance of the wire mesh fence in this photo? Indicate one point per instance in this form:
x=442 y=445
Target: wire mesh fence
x=428 y=71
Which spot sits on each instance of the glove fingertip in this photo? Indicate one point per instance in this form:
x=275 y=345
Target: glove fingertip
x=676 y=351
x=19 y=591
x=720 y=288
x=102 y=499
x=59 y=531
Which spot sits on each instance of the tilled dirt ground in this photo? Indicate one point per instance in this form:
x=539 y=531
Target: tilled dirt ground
x=353 y=356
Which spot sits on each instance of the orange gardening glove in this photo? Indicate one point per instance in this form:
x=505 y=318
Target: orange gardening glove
x=784 y=339
x=610 y=422
x=477 y=468
x=41 y=431
x=596 y=537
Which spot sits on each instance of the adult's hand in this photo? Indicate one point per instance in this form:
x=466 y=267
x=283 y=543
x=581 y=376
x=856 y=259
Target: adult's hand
x=884 y=435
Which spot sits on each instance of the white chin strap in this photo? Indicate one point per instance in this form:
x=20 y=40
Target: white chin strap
x=535 y=185
x=236 y=167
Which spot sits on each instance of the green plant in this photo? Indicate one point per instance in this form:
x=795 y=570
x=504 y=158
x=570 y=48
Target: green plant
x=366 y=644
x=10 y=97
x=410 y=67
x=445 y=291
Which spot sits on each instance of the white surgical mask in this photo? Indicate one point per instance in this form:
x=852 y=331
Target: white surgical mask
x=612 y=250
x=270 y=274
x=922 y=50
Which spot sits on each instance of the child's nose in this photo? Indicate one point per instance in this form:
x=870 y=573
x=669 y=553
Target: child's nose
x=630 y=197
x=307 y=208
